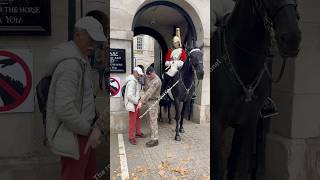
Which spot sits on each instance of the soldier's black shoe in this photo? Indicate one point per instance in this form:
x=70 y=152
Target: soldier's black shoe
x=152 y=143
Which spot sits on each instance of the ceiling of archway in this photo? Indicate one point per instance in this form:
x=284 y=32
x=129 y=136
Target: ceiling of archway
x=161 y=16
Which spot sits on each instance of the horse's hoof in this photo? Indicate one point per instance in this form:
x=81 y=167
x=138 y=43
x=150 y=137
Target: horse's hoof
x=177 y=138
x=170 y=122
x=181 y=130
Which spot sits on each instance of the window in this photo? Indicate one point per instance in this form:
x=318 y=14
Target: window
x=139 y=43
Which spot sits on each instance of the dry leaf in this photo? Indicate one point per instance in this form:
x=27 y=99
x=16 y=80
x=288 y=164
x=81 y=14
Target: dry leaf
x=164 y=165
x=135 y=178
x=206 y=178
x=162 y=173
x=181 y=171
x=139 y=169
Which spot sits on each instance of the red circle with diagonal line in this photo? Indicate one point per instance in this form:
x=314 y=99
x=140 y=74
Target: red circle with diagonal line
x=112 y=91
x=19 y=98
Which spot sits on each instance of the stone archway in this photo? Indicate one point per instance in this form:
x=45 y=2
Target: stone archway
x=154 y=19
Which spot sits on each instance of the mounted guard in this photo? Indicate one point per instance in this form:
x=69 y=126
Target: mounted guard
x=175 y=58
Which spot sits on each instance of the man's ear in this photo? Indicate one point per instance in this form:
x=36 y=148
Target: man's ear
x=77 y=34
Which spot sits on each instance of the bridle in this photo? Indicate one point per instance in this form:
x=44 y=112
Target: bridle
x=193 y=71
x=267 y=17
x=273 y=12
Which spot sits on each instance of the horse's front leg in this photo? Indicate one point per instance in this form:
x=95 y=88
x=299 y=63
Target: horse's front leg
x=169 y=112
x=181 y=129
x=178 y=107
x=218 y=142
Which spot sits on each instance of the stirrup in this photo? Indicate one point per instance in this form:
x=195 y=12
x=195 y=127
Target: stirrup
x=269 y=109
x=194 y=97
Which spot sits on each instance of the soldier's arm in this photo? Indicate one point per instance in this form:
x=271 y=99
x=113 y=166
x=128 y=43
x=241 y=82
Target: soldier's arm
x=148 y=94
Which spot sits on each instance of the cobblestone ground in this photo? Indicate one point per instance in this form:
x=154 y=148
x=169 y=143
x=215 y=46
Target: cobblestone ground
x=187 y=159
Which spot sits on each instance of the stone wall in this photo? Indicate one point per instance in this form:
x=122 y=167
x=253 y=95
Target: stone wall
x=293 y=145
x=22 y=154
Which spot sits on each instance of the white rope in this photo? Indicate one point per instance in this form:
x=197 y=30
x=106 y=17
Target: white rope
x=157 y=101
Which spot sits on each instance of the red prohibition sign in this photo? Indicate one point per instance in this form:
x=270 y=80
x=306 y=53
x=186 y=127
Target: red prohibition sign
x=112 y=90
x=19 y=98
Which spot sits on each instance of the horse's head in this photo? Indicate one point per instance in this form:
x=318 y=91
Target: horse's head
x=196 y=60
x=284 y=17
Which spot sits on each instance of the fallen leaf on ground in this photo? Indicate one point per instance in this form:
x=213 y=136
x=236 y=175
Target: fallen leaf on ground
x=164 y=165
x=206 y=178
x=134 y=178
x=162 y=173
x=181 y=171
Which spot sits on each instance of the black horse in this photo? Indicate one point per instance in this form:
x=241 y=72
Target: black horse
x=185 y=84
x=166 y=103
x=241 y=77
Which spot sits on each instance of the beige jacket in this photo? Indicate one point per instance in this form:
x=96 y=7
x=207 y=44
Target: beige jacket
x=151 y=90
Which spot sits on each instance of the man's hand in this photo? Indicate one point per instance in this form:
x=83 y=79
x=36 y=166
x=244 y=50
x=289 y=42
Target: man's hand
x=94 y=139
x=139 y=105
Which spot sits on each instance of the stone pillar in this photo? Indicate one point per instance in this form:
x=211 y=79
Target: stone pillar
x=293 y=145
x=118 y=114
x=201 y=107
x=157 y=58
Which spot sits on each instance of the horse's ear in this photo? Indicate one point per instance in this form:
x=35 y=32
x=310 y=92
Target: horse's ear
x=201 y=47
x=187 y=46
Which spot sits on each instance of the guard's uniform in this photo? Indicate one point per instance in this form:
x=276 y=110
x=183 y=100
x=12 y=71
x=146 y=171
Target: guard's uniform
x=175 y=58
x=149 y=97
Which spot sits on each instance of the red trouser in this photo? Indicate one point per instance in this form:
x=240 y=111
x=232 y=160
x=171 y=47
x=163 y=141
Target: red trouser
x=83 y=169
x=134 y=122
